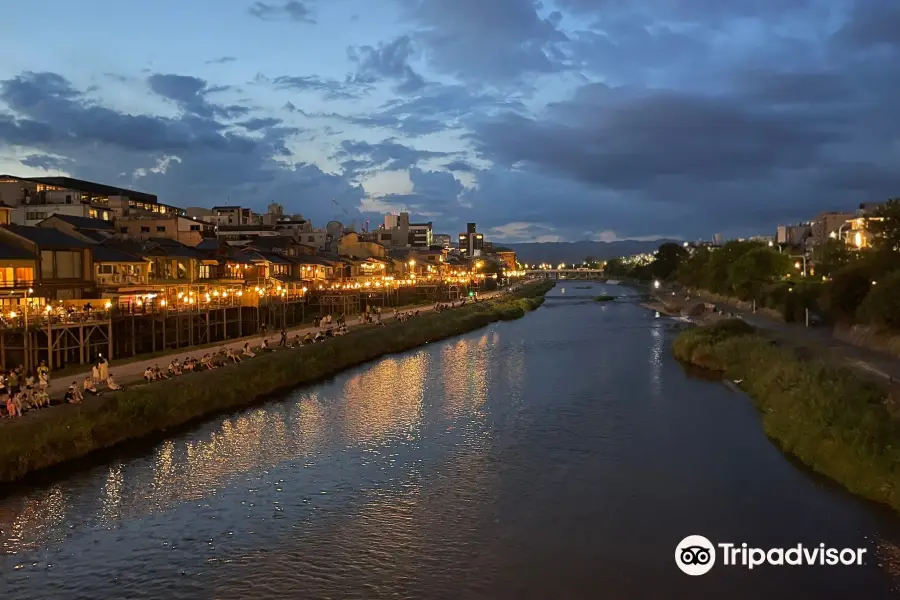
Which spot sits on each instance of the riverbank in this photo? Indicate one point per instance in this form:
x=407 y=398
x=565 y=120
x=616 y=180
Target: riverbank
x=31 y=445
x=836 y=422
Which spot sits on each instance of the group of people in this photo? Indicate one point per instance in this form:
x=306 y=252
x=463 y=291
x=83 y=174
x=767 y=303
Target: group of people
x=21 y=391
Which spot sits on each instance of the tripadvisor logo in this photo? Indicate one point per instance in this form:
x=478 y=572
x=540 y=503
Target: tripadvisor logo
x=696 y=555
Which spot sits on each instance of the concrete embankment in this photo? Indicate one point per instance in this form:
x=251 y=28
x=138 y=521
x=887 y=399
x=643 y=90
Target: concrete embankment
x=32 y=444
x=835 y=421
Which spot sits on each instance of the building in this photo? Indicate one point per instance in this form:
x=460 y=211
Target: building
x=793 y=235
x=421 y=235
x=395 y=233
x=189 y=232
x=63 y=265
x=828 y=225
x=442 y=239
x=119 y=272
x=507 y=258
x=46 y=196
x=471 y=243
x=232 y=215
x=92 y=231
x=857 y=235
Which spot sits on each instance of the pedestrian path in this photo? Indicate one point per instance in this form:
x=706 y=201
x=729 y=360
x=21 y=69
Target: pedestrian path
x=134 y=370
x=870 y=362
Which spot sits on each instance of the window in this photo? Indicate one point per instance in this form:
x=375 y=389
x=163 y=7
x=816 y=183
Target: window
x=204 y=272
x=195 y=228
x=160 y=229
x=35 y=216
x=46 y=264
x=311 y=238
x=68 y=198
x=105 y=269
x=68 y=264
x=123 y=230
x=145 y=229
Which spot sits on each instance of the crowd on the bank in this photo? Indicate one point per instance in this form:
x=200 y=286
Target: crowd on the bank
x=22 y=390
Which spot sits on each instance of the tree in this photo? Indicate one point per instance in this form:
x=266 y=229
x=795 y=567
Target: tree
x=690 y=272
x=615 y=268
x=881 y=306
x=668 y=258
x=715 y=276
x=885 y=226
x=755 y=269
x=847 y=289
x=831 y=255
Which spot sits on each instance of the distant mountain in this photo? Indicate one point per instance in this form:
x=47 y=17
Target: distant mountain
x=576 y=252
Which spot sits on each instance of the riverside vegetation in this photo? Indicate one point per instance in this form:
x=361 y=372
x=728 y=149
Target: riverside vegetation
x=838 y=424
x=142 y=411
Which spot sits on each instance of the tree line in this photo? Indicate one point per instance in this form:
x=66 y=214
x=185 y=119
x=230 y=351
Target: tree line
x=840 y=285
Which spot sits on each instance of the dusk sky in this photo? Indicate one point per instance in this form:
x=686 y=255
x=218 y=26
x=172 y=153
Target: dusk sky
x=565 y=120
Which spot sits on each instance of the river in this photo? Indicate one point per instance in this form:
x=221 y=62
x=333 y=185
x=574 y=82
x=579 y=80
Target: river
x=563 y=455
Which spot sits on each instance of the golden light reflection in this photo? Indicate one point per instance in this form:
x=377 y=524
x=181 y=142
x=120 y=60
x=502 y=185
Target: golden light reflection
x=385 y=399
x=35 y=524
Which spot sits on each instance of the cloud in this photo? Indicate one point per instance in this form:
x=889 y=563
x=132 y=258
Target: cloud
x=291 y=10
x=190 y=94
x=191 y=159
x=221 y=60
x=331 y=88
x=46 y=162
x=499 y=41
x=460 y=166
x=387 y=154
x=258 y=123
x=388 y=61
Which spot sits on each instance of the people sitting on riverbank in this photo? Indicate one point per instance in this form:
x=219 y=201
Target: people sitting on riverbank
x=308 y=339
x=233 y=356
x=73 y=395
x=111 y=384
x=89 y=387
x=247 y=351
x=320 y=337
x=265 y=346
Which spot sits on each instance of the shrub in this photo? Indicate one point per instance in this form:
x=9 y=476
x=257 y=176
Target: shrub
x=881 y=306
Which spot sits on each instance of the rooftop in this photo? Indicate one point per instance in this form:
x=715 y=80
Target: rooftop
x=90 y=187
x=47 y=237
x=14 y=253
x=82 y=222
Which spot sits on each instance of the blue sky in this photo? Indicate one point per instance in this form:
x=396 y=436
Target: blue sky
x=565 y=120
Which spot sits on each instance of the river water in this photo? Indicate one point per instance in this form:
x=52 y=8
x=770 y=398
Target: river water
x=563 y=455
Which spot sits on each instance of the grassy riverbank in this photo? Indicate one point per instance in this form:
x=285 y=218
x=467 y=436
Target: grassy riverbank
x=837 y=423
x=74 y=432
x=604 y=298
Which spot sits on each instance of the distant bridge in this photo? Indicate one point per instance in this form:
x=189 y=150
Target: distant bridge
x=567 y=273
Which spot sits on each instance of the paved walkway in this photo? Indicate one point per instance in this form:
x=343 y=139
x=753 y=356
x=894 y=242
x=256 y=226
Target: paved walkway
x=872 y=362
x=134 y=371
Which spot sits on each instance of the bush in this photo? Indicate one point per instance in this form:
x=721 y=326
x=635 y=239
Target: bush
x=881 y=306
x=827 y=416
x=847 y=290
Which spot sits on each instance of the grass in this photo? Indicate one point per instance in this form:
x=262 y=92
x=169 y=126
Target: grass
x=65 y=435
x=835 y=422
x=604 y=298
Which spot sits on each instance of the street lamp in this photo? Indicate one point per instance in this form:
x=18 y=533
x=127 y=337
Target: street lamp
x=771 y=244
x=25 y=313
x=797 y=264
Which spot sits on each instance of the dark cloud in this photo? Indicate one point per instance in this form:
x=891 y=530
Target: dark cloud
x=46 y=162
x=871 y=24
x=330 y=88
x=387 y=154
x=434 y=109
x=292 y=10
x=434 y=197
x=221 y=60
x=193 y=159
x=190 y=94
x=498 y=41
x=460 y=166
x=259 y=123
x=388 y=61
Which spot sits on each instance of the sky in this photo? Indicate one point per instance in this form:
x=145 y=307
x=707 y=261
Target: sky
x=540 y=121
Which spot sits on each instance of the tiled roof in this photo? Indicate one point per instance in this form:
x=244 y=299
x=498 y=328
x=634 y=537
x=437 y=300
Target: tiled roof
x=47 y=237
x=83 y=222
